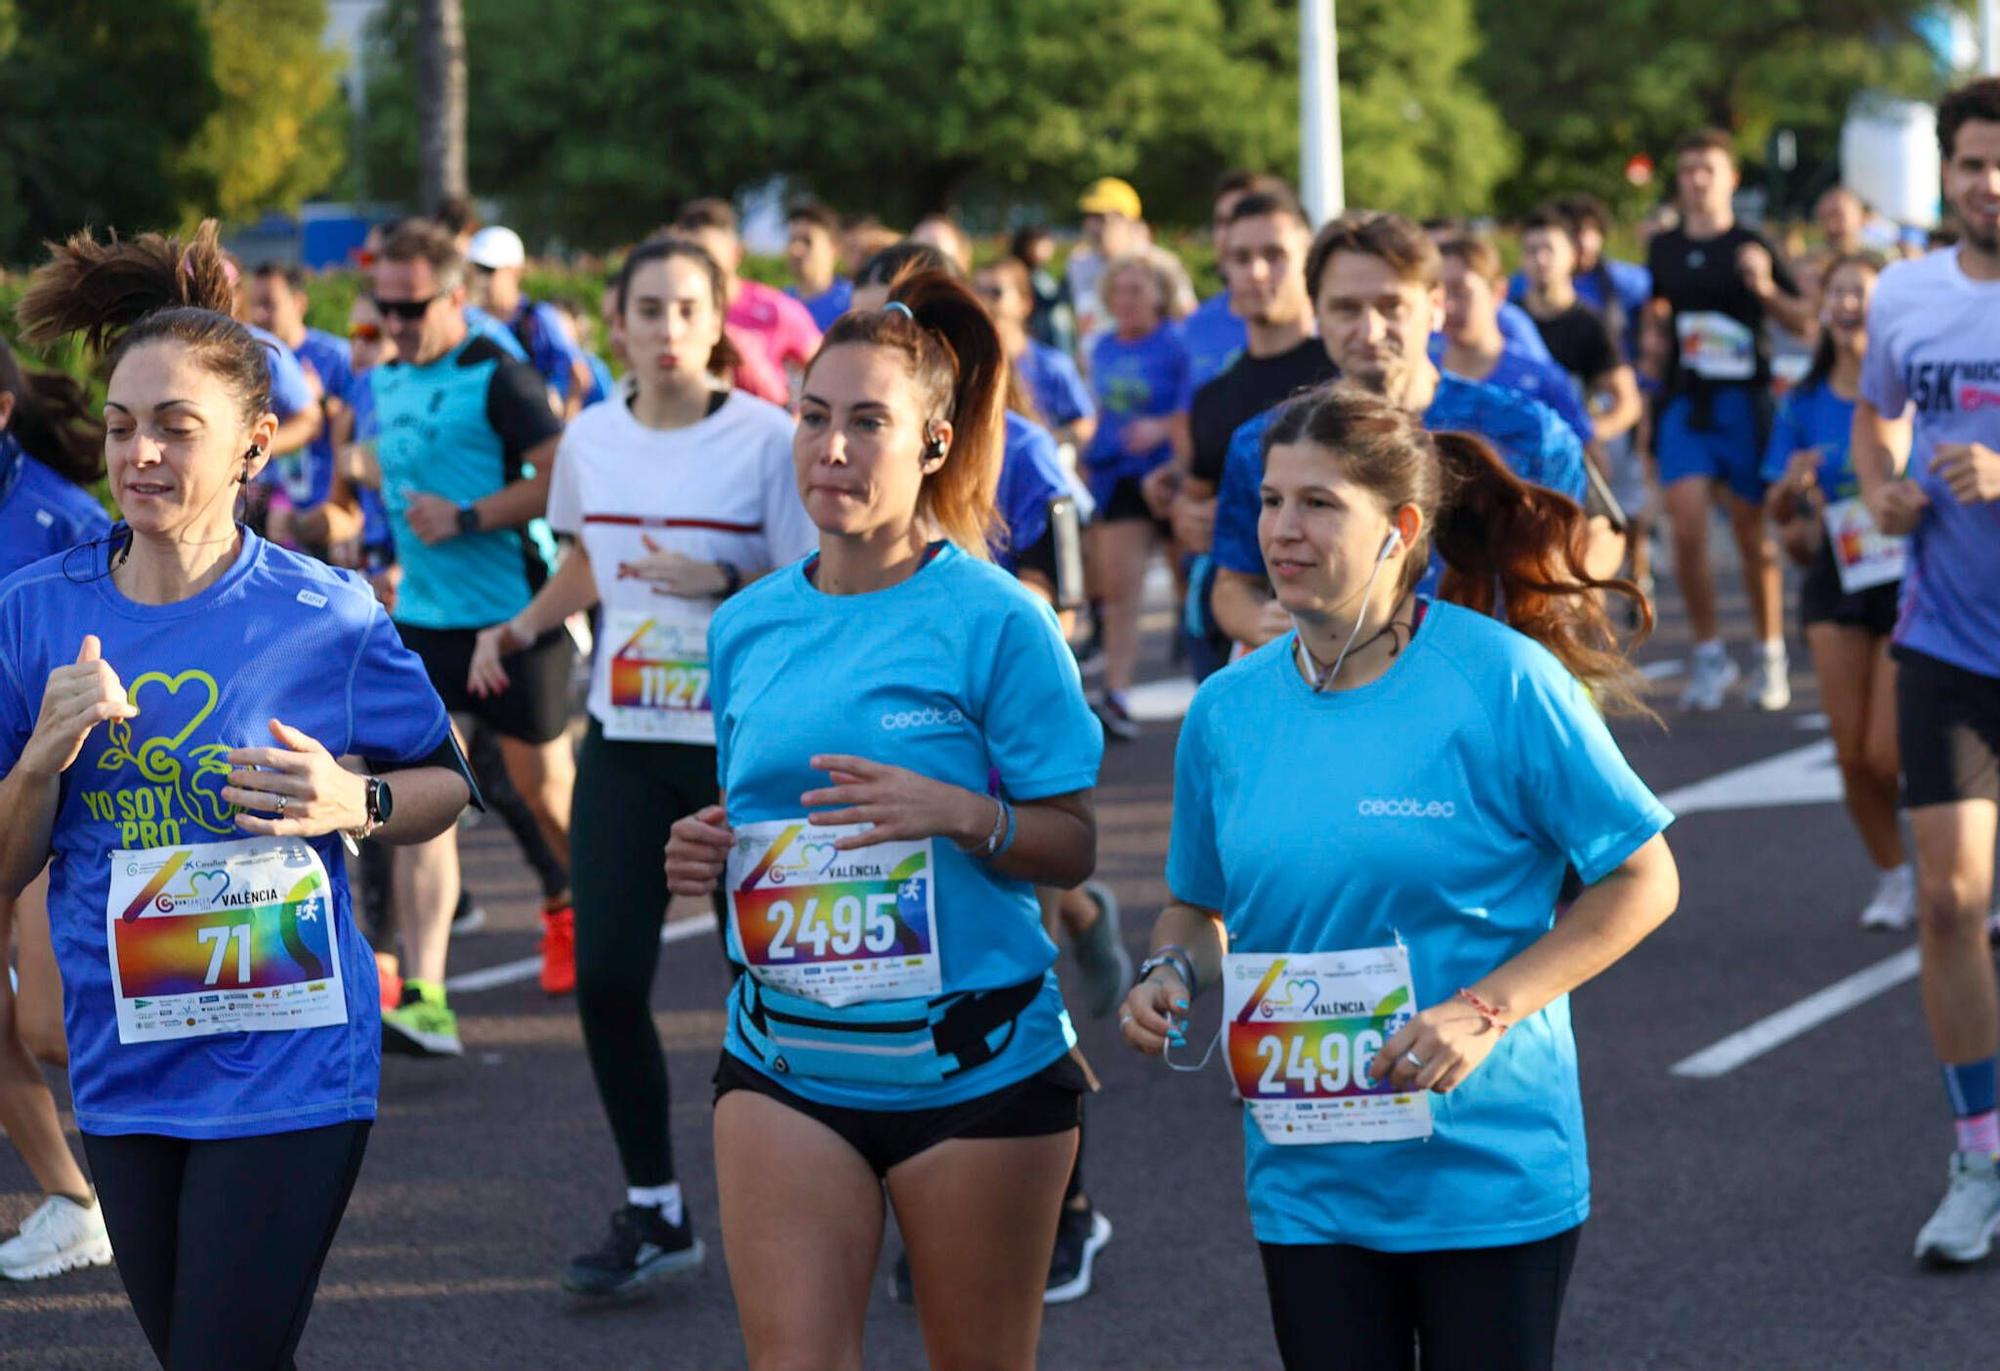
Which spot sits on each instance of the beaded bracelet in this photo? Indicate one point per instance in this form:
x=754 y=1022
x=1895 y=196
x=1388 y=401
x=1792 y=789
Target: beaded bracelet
x=1486 y=1011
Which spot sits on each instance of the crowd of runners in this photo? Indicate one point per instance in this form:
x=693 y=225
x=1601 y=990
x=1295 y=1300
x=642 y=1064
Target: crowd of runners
x=854 y=573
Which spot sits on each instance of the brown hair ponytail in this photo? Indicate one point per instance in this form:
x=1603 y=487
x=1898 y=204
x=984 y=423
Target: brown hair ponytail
x=119 y=294
x=52 y=420
x=1513 y=546
x=1507 y=545
x=954 y=354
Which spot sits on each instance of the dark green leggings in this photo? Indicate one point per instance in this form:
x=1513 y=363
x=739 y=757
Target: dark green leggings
x=628 y=795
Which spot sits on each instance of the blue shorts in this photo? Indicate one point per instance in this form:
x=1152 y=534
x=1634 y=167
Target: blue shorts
x=1729 y=450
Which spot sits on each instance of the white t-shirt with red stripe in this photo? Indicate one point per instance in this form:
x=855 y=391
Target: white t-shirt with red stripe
x=721 y=490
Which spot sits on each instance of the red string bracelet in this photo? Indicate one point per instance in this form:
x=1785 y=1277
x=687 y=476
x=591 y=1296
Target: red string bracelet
x=1486 y=1011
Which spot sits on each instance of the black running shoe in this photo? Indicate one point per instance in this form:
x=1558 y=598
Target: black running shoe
x=1079 y=1238
x=1117 y=723
x=902 y=1289
x=643 y=1248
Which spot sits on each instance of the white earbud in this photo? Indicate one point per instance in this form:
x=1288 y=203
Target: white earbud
x=1390 y=545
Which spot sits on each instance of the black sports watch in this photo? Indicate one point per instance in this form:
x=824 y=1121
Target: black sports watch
x=381 y=803
x=468 y=518
x=732 y=578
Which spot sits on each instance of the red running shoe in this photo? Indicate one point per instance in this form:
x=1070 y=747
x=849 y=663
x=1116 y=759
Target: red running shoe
x=386 y=971
x=558 y=951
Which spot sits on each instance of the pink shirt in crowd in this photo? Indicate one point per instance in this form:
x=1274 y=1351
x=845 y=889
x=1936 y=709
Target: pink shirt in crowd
x=768 y=321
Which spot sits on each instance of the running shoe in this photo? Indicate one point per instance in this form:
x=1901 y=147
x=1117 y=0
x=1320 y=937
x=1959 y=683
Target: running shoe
x=469 y=917
x=421 y=1025
x=1080 y=1236
x=1709 y=680
x=1111 y=712
x=558 y=951
x=902 y=1289
x=60 y=1236
x=1894 y=904
x=1770 y=685
x=1101 y=955
x=1962 y=1229
x=642 y=1249
x=387 y=970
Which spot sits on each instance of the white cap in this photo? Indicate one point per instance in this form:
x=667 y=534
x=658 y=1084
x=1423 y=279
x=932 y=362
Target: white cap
x=496 y=249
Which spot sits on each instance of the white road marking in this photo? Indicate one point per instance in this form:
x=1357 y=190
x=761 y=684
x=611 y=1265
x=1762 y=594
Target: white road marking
x=1774 y=1031
x=507 y=973
x=1159 y=701
x=1803 y=776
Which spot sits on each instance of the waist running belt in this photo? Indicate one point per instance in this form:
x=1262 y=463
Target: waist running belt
x=897 y=1042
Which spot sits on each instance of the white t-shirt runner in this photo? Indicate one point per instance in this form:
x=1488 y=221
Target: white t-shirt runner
x=720 y=490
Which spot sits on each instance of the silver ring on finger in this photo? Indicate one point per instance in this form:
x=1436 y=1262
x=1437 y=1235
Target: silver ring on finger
x=1414 y=1060
x=1124 y=1019
x=281 y=805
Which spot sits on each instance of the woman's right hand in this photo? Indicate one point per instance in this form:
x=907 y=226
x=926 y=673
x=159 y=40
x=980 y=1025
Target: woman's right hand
x=1898 y=507
x=77 y=698
x=1147 y=1023
x=698 y=851
x=486 y=676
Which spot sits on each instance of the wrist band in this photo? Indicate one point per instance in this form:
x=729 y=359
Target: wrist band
x=1177 y=959
x=1001 y=823
x=1486 y=1011
x=1008 y=841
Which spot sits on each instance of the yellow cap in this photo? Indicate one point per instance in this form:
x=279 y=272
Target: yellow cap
x=1109 y=195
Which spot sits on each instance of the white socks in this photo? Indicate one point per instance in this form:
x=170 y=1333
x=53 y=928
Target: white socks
x=665 y=1198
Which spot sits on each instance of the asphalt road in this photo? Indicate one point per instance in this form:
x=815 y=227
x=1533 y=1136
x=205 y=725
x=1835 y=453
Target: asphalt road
x=1761 y=1218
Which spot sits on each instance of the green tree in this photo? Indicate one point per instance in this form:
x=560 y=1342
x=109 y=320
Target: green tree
x=96 y=101
x=594 y=122
x=278 y=134
x=1585 y=84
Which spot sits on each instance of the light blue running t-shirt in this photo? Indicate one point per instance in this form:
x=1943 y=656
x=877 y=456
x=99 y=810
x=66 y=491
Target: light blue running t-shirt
x=957 y=673
x=1440 y=805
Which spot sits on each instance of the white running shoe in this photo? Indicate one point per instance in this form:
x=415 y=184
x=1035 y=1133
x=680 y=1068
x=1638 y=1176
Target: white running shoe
x=1962 y=1228
x=60 y=1236
x=1770 y=684
x=1709 y=679
x=1894 y=904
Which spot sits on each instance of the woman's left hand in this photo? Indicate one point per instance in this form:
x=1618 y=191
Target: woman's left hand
x=298 y=783
x=1448 y=1040
x=900 y=804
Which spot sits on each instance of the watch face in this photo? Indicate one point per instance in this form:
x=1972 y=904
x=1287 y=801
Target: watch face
x=381 y=799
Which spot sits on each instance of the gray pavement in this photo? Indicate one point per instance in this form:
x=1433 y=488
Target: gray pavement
x=1755 y=1221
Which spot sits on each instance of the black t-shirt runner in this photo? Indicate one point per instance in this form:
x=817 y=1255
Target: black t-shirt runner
x=1718 y=322
x=1580 y=341
x=1246 y=390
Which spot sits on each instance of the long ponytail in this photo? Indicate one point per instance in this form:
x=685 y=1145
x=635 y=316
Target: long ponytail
x=52 y=421
x=954 y=353
x=1518 y=551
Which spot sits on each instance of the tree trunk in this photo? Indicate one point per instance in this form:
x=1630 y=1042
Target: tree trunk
x=441 y=101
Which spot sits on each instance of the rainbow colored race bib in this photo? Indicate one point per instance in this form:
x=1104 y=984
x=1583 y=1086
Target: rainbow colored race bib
x=230 y=937
x=836 y=927
x=1863 y=554
x=1716 y=346
x=659 y=673
x=1301 y=1031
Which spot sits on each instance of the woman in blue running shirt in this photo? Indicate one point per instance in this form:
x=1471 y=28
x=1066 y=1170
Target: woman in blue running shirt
x=173 y=698
x=1849 y=594
x=1372 y=819
x=50 y=449
x=905 y=754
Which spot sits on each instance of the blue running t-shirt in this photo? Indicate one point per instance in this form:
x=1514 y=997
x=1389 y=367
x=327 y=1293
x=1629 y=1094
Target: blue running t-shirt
x=40 y=512
x=278 y=636
x=1312 y=823
x=1055 y=385
x=1031 y=479
x=462 y=427
x=957 y=673
x=307 y=474
x=1215 y=338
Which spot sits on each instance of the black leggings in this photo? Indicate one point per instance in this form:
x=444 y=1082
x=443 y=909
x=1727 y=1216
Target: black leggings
x=1337 y=1307
x=220 y=1243
x=628 y=795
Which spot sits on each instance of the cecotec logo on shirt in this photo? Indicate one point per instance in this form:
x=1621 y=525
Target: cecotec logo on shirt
x=1404 y=807
x=921 y=718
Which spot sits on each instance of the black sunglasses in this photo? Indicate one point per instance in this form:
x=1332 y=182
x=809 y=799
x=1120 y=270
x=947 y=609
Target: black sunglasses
x=407 y=309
